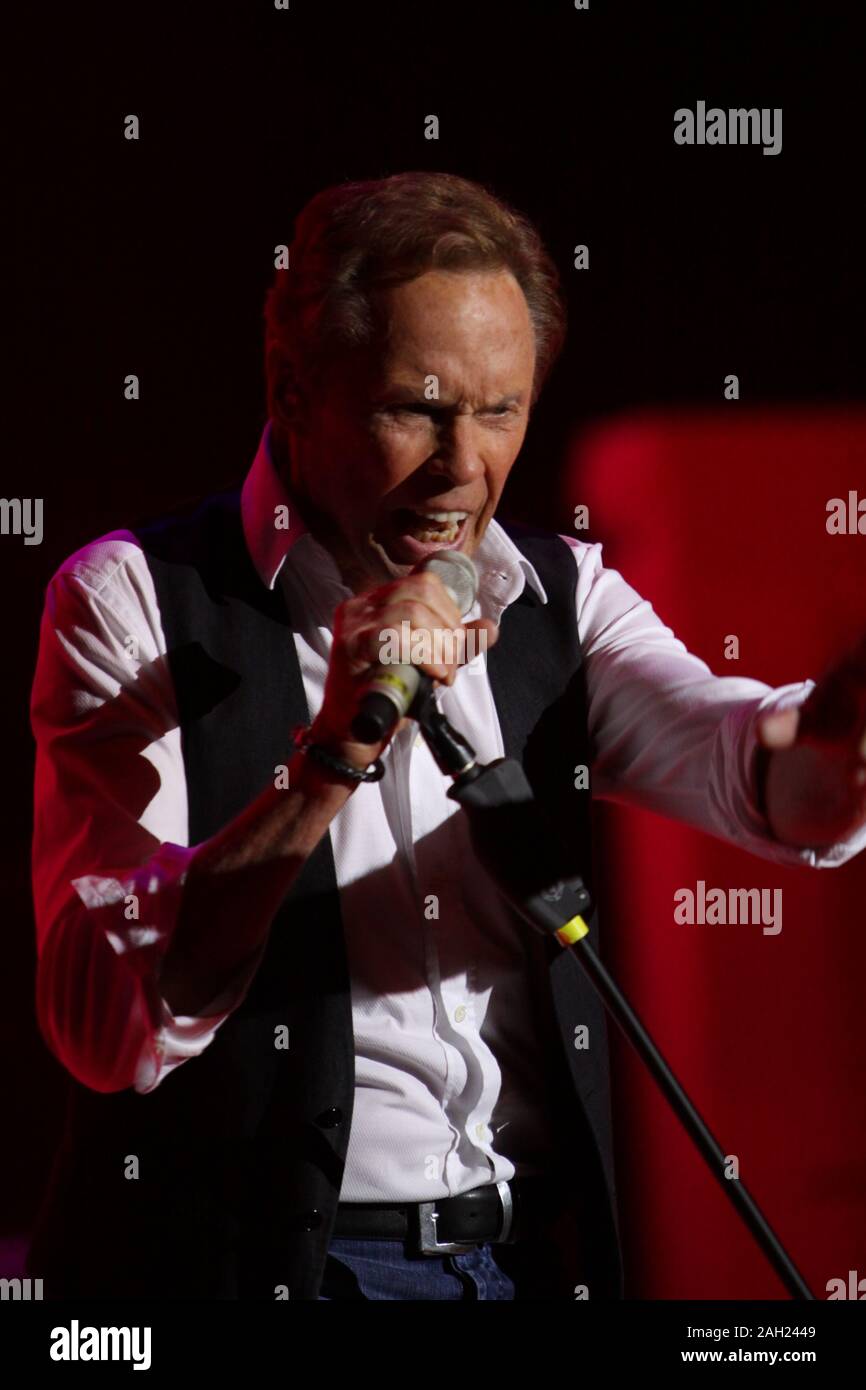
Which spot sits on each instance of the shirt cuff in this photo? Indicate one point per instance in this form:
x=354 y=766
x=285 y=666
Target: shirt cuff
x=176 y=1039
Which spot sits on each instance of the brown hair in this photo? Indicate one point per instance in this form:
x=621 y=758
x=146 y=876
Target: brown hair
x=355 y=238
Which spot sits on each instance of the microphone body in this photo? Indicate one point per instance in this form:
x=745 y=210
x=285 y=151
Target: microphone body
x=393 y=687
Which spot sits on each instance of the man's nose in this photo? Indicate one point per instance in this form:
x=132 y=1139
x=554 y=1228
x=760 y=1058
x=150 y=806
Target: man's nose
x=457 y=455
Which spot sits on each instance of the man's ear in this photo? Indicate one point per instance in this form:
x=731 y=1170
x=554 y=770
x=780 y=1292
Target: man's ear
x=286 y=400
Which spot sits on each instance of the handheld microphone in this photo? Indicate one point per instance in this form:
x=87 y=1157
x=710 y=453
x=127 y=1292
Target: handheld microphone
x=392 y=688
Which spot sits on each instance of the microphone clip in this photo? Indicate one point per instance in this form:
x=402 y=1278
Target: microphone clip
x=452 y=753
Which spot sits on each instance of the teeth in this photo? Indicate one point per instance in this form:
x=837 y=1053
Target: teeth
x=440 y=526
x=446 y=533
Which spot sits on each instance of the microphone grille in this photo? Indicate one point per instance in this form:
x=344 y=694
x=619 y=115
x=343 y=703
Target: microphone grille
x=457 y=573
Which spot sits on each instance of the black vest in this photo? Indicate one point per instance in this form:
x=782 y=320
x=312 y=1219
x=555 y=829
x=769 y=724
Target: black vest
x=241 y=1151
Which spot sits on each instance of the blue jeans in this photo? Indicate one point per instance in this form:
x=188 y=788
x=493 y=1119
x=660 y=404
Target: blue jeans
x=373 y=1269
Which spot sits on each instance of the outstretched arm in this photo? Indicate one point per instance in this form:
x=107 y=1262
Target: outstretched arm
x=671 y=736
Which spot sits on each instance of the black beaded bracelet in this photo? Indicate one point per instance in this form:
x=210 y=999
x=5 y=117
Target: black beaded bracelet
x=301 y=739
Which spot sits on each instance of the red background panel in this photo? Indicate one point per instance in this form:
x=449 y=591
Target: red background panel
x=718 y=518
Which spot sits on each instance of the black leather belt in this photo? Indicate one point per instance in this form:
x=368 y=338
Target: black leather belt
x=502 y=1213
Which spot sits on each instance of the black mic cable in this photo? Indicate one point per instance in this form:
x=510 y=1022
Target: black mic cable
x=528 y=861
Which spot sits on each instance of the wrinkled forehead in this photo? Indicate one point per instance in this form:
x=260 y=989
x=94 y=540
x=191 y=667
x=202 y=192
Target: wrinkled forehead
x=468 y=330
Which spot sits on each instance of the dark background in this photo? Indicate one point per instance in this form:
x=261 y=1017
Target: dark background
x=154 y=257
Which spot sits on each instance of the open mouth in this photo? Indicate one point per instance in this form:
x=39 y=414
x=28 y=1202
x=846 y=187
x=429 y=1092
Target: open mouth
x=411 y=535
x=432 y=526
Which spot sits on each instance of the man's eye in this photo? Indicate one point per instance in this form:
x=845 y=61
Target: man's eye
x=421 y=409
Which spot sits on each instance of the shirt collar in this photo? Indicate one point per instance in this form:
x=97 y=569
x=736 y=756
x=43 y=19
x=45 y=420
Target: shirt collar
x=273 y=527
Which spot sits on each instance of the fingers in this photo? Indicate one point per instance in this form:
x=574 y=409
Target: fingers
x=412 y=621
x=424 y=588
x=836 y=707
x=833 y=718
x=408 y=632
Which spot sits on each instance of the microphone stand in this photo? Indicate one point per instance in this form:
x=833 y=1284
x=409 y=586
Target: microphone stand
x=523 y=855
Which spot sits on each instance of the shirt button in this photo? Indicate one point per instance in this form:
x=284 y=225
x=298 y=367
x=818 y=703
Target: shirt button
x=481 y=1131
x=418 y=740
x=460 y=1013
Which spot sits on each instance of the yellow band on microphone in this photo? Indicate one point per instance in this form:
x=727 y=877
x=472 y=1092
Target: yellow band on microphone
x=389 y=678
x=572 y=931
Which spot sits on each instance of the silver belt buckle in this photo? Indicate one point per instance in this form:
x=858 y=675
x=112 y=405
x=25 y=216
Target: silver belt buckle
x=429 y=1243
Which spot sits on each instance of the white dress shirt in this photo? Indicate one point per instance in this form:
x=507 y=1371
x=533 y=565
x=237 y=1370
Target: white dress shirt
x=447 y=1064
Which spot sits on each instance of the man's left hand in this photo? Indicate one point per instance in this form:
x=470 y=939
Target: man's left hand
x=814 y=766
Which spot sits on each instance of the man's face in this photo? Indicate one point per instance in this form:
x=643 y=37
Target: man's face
x=430 y=421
